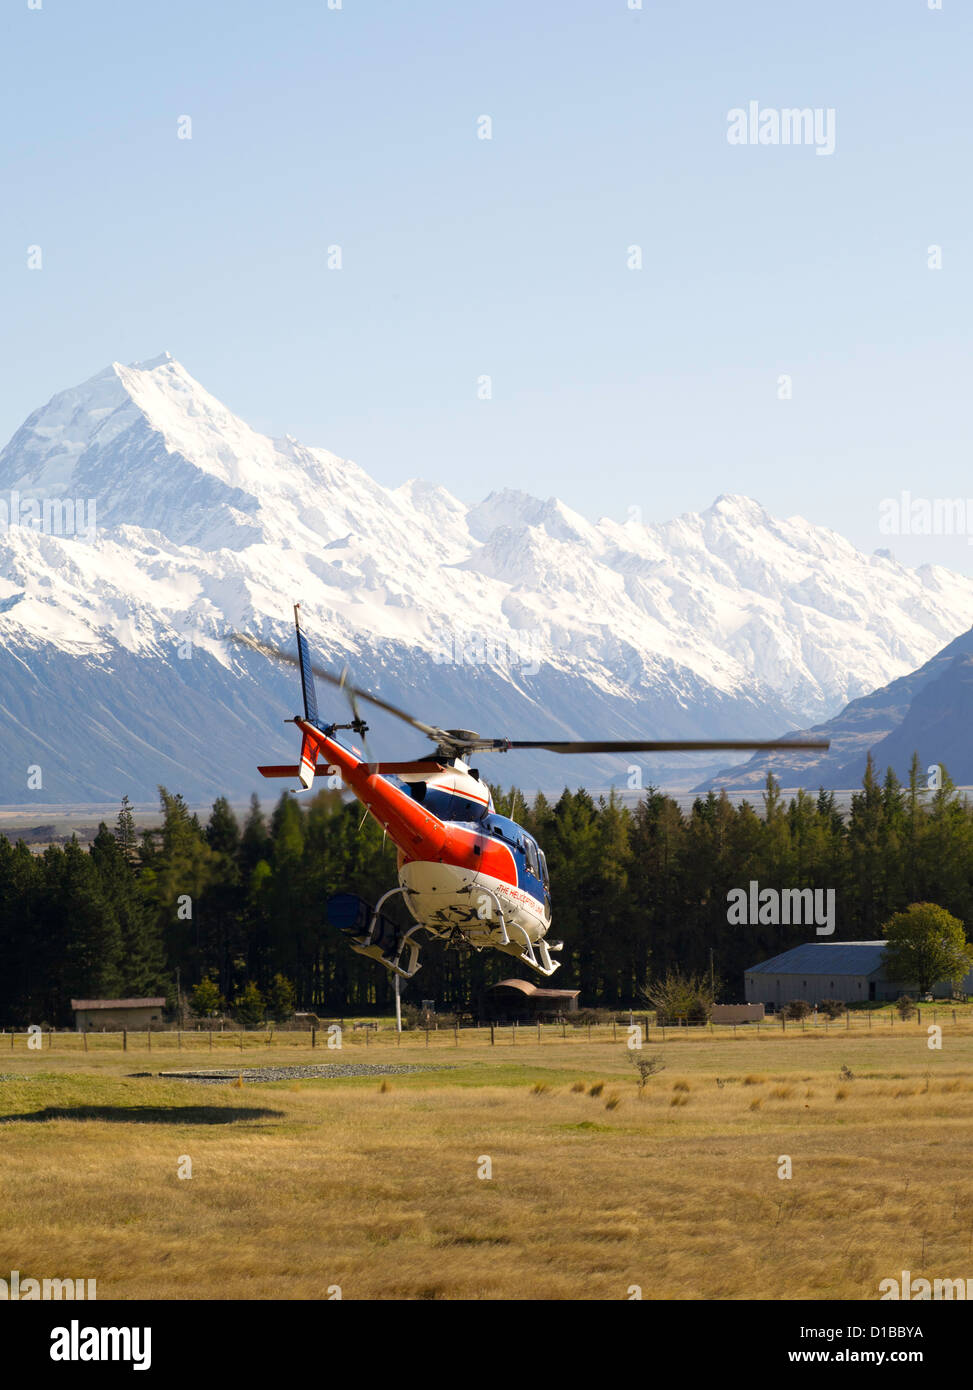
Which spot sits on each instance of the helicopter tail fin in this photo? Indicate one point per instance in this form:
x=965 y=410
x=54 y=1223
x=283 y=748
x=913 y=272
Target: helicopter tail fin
x=307 y=680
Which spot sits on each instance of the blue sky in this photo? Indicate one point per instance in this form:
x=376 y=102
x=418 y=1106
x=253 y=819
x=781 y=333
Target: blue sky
x=506 y=258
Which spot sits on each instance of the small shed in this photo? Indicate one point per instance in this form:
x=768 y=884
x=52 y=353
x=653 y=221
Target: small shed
x=521 y=999
x=116 y=1013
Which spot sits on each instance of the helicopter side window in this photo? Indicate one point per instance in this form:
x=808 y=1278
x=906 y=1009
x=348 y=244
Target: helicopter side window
x=418 y=790
x=544 y=874
x=533 y=864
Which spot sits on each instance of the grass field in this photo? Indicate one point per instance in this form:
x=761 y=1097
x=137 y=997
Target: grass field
x=371 y=1184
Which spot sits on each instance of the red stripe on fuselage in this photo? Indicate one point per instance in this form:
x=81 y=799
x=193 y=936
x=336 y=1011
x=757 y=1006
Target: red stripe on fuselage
x=494 y=858
x=417 y=832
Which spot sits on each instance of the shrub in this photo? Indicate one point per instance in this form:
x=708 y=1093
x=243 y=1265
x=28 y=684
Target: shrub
x=205 y=999
x=906 y=1006
x=646 y=1064
x=280 y=999
x=797 y=1008
x=834 y=1008
x=248 y=1006
x=680 y=998
x=597 y=1088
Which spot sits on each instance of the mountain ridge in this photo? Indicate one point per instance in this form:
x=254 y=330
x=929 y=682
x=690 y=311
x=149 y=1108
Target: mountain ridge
x=724 y=623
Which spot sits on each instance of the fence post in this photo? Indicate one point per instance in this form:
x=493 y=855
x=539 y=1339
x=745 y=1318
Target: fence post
x=211 y=1040
x=492 y=1039
x=456 y=1033
x=538 y=1031
x=564 y=1028
x=367 y=1031
x=148 y=1033
x=178 y=1037
x=84 y=1038
x=11 y=1040
x=427 y=1037
x=314 y=1037
x=589 y=1032
x=613 y=1030
x=124 y=1039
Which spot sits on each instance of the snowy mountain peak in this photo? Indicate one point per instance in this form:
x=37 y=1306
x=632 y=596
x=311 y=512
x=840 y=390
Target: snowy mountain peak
x=718 y=623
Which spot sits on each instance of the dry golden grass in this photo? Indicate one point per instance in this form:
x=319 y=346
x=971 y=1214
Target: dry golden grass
x=371 y=1186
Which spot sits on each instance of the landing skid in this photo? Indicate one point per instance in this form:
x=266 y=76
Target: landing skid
x=387 y=947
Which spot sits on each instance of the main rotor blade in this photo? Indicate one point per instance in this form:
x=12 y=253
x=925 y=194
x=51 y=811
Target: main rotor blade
x=665 y=746
x=276 y=653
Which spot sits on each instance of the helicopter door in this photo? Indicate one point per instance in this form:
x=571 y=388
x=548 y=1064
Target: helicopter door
x=546 y=880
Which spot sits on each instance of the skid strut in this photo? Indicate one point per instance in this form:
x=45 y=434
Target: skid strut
x=383 y=943
x=522 y=947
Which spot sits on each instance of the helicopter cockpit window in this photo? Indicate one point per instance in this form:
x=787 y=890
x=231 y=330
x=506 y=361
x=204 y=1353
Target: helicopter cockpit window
x=418 y=790
x=533 y=864
x=544 y=875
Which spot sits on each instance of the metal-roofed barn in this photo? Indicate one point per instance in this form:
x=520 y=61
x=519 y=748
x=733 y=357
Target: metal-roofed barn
x=848 y=970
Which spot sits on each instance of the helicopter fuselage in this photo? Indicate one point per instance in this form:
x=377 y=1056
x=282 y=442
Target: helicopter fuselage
x=464 y=870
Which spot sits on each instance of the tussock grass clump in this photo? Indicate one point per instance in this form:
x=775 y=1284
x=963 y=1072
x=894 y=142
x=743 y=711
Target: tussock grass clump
x=385 y=1088
x=756 y=1103
x=682 y=1086
x=841 y=1093
x=782 y=1092
x=752 y=1080
x=539 y=1088
x=679 y=1099
x=613 y=1101
x=596 y=1089
x=578 y=1086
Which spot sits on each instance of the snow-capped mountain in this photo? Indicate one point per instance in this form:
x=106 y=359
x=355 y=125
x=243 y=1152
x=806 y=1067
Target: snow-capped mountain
x=927 y=712
x=516 y=616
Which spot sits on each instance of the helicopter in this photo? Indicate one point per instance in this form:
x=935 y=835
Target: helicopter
x=468 y=876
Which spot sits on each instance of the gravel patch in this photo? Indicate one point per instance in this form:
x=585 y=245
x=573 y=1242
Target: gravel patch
x=217 y=1075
